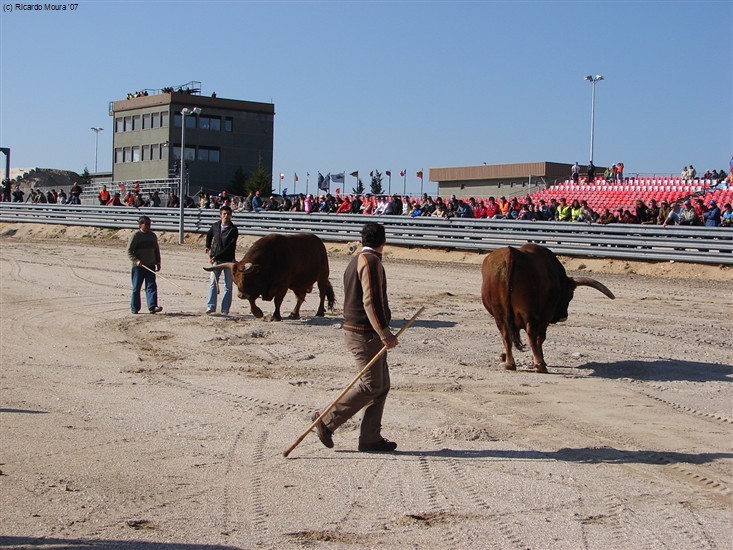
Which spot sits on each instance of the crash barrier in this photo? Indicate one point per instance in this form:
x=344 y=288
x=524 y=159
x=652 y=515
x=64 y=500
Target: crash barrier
x=705 y=245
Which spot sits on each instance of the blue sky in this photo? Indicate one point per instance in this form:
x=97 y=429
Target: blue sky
x=387 y=85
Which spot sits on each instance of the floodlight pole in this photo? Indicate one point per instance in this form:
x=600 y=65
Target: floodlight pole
x=96 y=131
x=182 y=167
x=593 y=80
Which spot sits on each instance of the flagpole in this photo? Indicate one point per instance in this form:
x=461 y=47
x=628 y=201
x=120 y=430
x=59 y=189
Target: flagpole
x=421 y=181
x=389 y=185
x=295 y=182
x=307 y=177
x=404 y=182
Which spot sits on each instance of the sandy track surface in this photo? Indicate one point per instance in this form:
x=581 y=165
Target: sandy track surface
x=147 y=431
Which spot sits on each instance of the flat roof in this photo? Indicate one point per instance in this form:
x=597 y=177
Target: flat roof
x=499 y=171
x=191 y=100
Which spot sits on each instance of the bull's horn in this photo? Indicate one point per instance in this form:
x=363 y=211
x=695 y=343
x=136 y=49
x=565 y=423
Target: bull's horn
x=217 y=267
x=248 y=267
x=587 y=281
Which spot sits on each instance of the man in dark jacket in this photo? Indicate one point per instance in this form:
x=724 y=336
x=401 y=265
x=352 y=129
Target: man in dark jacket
x=221 y=244
x=144 y=253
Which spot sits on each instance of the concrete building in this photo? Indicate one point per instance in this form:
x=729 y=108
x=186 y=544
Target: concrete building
x=501 y=179
x=226 y=135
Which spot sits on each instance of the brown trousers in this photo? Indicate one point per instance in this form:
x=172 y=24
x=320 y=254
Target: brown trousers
x=370 y=391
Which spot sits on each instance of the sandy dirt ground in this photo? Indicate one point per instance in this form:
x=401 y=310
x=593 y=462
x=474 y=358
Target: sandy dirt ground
x=167 y=431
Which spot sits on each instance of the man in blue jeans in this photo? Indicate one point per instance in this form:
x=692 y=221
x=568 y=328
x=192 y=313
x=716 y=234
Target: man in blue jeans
x=221 y=244
x=144 y=253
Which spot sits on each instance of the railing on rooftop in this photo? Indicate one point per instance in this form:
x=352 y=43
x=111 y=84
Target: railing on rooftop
x=706 y=245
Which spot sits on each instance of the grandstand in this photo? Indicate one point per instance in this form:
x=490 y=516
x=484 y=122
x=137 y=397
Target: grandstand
x=600 y=194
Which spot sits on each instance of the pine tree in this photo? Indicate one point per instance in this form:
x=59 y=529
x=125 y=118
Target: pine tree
x=85 y=178
x=260 y=180
x=238 y=184
x=377 y=183
x=359 y=189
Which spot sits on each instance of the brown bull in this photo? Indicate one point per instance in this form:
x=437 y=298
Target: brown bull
x=275 y=264
x=527 y=288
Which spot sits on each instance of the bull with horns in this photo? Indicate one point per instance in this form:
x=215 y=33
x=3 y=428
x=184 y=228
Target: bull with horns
x=527 y=288
x=277 y=263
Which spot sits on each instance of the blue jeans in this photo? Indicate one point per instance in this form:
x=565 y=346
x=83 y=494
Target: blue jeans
x=140 y=274
x=226 y=300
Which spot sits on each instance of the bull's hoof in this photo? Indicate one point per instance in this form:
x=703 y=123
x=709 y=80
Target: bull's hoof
x=294 y=316
x=510 y=367
x=541 y=369
x=258 y=313
x=321 y=313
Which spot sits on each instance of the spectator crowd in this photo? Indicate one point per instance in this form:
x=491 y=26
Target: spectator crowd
x=693 y=211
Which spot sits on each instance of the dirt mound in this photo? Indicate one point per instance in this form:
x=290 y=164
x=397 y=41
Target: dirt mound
x=47 y=178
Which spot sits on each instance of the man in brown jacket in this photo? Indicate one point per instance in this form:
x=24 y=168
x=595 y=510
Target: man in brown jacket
x=366 y=331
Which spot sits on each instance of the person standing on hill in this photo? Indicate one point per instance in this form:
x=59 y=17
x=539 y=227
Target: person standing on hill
x=144 y=253
x=221 y=245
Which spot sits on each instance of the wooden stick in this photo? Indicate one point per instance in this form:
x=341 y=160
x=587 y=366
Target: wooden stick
x=333 y=403
x=165 y=278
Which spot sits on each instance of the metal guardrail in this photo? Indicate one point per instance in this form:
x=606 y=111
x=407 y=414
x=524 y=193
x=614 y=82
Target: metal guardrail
x=706 y=245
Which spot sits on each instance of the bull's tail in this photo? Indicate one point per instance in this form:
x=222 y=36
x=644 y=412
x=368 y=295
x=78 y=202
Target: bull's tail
x=512 y=328
x=324 y=287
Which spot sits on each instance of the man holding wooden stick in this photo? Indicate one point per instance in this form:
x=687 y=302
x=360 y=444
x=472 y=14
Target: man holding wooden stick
x=144 y=253
x=366 y=332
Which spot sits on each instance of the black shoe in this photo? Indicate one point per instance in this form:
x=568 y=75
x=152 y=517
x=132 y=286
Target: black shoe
x=383 y=446
x=324 y=434
x=134 y=311
x=156 y=309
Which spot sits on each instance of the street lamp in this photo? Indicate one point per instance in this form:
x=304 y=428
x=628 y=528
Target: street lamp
x=593 y=80
x=182 y=167
x=96 y=131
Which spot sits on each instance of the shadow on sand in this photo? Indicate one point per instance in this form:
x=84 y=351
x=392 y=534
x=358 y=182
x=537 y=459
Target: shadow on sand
x=662 y=370
x=586 y=455
x=23 y=411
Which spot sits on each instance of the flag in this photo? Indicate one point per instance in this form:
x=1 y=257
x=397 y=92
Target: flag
x=324 y=183
x=282 y=176
x=402 y=173
x=355 y=174
x=389 y=173
x=338 y=190
x=296 y=177
x=338 y=178
x=419 y=174
x=285 y=191
x=371 y=174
